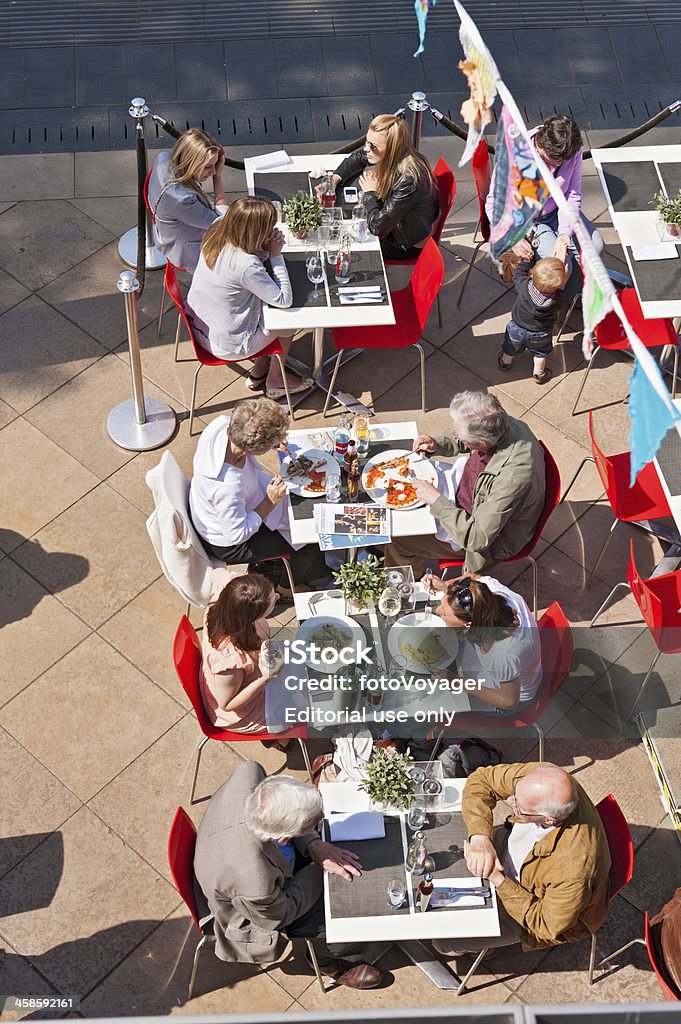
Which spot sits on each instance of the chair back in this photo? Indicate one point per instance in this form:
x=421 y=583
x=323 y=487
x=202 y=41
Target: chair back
x=620 y=843
x=644 y=500
x=172 y=286
x=482 y=176
x=145 y=196
x=181 y=845
x=187 y=660
x=555 y=637
x=658 y=600
x=551 y=500
x=425 y=283
x=446 y=189
x=651 y=933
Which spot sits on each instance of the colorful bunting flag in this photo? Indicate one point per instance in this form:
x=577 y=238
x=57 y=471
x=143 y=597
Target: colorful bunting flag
x=519 y=190
x=651 y=415
x=482 y=75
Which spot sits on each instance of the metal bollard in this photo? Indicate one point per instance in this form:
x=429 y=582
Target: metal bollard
x=417 y=104
x=139 y=423
x=127 y=245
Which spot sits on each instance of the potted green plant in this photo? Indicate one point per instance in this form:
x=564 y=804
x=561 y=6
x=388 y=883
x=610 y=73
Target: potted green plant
x=669 y=211
x=387 y=779
x=361 y=582
x=303 y=213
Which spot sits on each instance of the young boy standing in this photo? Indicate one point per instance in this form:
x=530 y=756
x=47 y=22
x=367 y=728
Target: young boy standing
x=534 y=314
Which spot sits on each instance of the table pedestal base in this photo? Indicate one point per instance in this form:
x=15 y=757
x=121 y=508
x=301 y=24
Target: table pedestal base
x=321 y=371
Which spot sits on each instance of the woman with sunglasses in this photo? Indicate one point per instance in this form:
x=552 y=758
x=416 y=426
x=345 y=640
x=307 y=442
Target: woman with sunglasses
x=400 y=193
x=500 y=640
x=181 y=209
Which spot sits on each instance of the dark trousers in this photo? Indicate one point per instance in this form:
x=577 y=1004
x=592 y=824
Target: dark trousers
x=307 y=564
x=311 y=926
x=392 y=251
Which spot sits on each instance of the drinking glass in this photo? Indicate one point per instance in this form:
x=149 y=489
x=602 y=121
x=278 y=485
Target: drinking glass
x=396 y=891
x=417 y=817
x=389 y=604
x=311 y=251
x=280 y=215
x=333 y=487
x=332 y=242
x=315 y=274
x=361 y=428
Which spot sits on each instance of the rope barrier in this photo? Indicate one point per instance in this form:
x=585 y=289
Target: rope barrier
x=141 y=152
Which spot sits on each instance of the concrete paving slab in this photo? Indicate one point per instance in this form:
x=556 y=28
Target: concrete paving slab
x=300 y=67
x=50 y=76
x=12 y=76
x=200 y=72
x=100 y=75
x=250 y=68
x=11 y=292
x=41 y=176
x=348 y=65
x=639 y=53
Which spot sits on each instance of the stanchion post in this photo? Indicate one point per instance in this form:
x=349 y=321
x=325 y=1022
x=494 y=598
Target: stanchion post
x=417 y=104
x=127 y=246
x=139 y=423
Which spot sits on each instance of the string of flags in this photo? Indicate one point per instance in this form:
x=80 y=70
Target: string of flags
x=523 y=182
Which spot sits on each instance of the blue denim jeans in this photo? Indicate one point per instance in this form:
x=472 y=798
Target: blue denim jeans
x=518 y=338
x=545 y=235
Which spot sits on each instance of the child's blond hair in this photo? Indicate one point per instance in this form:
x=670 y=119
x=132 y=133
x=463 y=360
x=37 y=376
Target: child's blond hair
x=548 y=275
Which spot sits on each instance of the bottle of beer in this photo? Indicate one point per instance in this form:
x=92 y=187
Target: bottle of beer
x=353 y=480
x=350 y=456
x=425 y=891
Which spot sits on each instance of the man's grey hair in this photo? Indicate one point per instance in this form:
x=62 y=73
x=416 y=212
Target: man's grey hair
x=282 y=807
x=478 y=417
x=551 y=808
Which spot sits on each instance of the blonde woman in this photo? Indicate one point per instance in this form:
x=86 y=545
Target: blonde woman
x=230 y=285
x=400 y=192
x=181 y=209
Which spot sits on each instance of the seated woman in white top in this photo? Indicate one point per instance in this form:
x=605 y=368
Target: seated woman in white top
x=225 y=302
x=500 y=641
x=237 y=507
x=182 y=211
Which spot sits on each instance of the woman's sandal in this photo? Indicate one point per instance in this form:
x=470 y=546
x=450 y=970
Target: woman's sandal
x=256 y=383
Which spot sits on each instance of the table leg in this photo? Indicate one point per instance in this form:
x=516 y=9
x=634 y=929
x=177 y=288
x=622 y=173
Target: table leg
x=426 y=961
x=321 y=371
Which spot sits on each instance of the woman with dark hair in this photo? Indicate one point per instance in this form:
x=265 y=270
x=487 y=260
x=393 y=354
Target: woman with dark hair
x=500 y=641
x=400 y=193
x=558 y=141
x=181 y=209
x=236 y=667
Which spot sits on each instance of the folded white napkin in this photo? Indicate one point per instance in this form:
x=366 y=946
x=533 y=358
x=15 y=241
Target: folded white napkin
x=654 y=252
x=269 y=161
x=459 y=900
x=345 y=826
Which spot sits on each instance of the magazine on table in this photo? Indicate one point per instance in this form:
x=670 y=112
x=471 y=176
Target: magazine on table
x=351 y=526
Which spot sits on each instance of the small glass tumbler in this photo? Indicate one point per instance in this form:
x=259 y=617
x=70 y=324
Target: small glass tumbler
x=396 y=891
x=333 y=487
x=416 y=817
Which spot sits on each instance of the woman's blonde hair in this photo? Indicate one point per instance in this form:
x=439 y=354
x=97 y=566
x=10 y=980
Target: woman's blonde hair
x=400 y=157
x=247 y=225
x=258 y=425
x=192 y=151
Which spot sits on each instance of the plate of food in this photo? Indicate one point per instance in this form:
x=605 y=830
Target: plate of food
x=428 y=646
x=306 y=474
x=387 y=478
x=334 y=632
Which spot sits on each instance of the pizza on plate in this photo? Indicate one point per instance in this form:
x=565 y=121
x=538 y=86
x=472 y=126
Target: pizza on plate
x=394 y=475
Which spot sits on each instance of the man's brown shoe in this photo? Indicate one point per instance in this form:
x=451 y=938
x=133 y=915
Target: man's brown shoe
x=353 y=975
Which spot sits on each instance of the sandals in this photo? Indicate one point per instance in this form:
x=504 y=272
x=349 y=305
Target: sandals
x=503 y=365
x=256 y=383
x=295 y=389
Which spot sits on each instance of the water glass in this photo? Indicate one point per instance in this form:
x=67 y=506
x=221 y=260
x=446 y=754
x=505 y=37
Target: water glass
x=280 y=215
x=396 y=892
x=333 y=487
x=361 y=429
x=417 y=817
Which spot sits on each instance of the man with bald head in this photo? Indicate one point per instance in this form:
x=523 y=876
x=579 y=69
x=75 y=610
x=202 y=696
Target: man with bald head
x=549 y=862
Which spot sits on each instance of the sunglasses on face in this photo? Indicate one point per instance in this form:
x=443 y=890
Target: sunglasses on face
x=462 y=592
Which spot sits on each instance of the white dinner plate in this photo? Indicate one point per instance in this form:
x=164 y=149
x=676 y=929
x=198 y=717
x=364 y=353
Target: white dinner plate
x=422 y=469
x=317 y=455
x=347 y=625
x=412 y=628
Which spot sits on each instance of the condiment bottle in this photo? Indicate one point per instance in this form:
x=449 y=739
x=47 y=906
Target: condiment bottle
x=353 y=480
x=425 y=891
x=350 y=456
x=416 y=854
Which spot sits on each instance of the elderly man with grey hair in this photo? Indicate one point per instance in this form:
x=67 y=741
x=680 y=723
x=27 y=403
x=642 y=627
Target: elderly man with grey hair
x=489 y=502
x=259 y=867
x=549 y=862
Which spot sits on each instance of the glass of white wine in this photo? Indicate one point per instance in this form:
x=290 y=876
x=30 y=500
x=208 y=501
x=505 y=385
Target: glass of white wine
x=389 y=605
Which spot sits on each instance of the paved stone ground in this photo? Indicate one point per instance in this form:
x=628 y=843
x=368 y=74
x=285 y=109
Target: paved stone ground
x=96 y=735
x=276 y=73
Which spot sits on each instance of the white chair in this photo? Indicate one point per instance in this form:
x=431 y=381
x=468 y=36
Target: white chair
x=185 y=562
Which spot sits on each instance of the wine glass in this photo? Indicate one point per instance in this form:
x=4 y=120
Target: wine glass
x=315 y=274
x=389 y=604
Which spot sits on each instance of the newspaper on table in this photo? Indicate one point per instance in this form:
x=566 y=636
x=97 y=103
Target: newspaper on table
x=351 y=526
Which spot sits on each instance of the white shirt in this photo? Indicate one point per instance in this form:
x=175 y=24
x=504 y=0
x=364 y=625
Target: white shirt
x=515 y=657
x=524 y=835
x=222 y=497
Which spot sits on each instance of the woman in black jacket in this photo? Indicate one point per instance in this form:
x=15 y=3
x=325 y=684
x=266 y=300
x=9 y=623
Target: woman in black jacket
x=400 y=192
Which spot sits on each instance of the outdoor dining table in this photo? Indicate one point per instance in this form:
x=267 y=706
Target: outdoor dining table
x=359 y=912
x=630 y=177
x=368 y=268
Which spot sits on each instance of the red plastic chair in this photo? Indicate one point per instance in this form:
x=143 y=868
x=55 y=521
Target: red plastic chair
x=482 y=176
x=651 y=941
x=411 y=305
x=181 y=845
x=645 y=500
x=204 y=357
x=555 y=637
x=659 y=600
x=187 y=661
x=446 y=188
x=550 y=502
x=173 y=268
x=654 y=333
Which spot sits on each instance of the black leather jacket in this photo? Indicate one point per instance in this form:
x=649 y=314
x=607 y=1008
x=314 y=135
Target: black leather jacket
x=409 y=211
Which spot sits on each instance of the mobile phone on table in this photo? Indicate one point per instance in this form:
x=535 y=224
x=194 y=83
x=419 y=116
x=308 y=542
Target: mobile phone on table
x=350 y=194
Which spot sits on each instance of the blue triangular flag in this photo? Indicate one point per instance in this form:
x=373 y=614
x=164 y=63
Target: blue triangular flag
x=650 y=418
